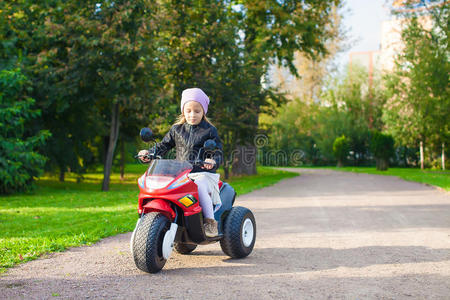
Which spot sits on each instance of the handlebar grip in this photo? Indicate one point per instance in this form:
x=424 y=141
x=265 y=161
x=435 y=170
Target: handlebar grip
x=149 y=156
x=199 y=162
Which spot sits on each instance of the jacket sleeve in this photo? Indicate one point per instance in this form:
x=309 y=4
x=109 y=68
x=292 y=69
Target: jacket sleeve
x=167 y=143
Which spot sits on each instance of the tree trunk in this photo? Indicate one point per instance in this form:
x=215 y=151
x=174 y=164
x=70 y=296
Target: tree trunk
x=227 y=157
x=61 y=174
x=226 y=171
x=421 y=155
x=340 y=164
x=244 y=160
x=113 y=136
x=105 y=149
x=122 y=160
x=405 y=157
x=443 y=156
x=382 y=164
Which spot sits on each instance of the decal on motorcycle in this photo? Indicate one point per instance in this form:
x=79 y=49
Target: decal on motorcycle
x=141 y=181
x=184 y=179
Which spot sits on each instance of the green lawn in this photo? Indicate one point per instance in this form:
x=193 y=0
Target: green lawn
x=61 y=215
x=437 y=178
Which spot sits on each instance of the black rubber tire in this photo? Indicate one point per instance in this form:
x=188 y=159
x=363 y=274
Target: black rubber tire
x=147 y=244
x=232 y=244
x=184 y=248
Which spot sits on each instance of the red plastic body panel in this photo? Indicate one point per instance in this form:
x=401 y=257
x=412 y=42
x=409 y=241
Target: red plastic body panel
x=169 y=195
x=166 y=195
x=161 y=206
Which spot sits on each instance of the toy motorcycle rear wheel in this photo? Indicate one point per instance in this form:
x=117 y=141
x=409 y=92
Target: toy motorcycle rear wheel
x=184 y=248
x=148 y=240
x=239 y=233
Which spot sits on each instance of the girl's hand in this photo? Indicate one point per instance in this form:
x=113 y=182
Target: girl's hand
x=209 y=164
x=142 y=156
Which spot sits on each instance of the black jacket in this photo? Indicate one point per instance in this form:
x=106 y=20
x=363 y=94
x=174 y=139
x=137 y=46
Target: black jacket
x=188 y=141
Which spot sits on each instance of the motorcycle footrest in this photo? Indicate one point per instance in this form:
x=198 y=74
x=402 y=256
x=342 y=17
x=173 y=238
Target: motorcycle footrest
x=215 y=238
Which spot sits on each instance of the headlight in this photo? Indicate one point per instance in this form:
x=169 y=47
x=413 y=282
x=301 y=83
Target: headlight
x=187 y=200
x=157 y=182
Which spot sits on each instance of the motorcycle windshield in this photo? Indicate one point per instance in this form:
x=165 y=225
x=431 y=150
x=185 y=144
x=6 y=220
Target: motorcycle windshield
x=168 y=167
x=162 y=171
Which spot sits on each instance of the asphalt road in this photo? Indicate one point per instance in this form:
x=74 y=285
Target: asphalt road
x=322 y=235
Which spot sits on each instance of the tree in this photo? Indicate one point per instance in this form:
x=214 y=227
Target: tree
x=20 y=162
x=312 y=72
x=104 y=55
x=26 y=43
x=273 y=31
x=419 y=100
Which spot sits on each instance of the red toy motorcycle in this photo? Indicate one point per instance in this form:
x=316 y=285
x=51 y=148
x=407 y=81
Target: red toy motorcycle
x=170 y=215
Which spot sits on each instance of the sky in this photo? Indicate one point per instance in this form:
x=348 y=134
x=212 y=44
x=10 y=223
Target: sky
x=363 y=20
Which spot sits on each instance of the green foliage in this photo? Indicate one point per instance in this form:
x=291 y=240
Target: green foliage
x=94 y=57
x=19 y=159
x=88 y=58
x=340 y=149
x=349 y=106
x=419 y=99
x=356 y=107
x=61 y=215
x=226 y=48
x=292 y=130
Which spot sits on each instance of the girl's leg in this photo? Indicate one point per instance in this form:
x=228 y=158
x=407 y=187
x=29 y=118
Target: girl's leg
x=204 y=195
x=205 y=198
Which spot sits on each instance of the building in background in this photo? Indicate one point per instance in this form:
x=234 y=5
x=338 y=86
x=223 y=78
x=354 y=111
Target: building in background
x=383 y=59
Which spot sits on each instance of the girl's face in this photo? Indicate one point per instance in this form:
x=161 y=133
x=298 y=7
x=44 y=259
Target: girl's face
x=193 y=112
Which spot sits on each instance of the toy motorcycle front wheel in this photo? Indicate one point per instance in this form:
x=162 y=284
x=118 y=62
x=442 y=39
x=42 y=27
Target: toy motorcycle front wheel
x=148 y=242
x=239 y=233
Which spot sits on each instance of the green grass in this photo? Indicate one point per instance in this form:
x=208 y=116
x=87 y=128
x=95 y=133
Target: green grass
x=61 y=215
x=437 y=178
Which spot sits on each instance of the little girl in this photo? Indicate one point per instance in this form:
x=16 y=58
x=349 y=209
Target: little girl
x=188 y=135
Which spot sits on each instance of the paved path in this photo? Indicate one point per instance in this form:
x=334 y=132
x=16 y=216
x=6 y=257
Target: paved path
x=322 y=235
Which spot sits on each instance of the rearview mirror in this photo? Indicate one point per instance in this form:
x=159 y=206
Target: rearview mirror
x=209 y=145
x=146 y=134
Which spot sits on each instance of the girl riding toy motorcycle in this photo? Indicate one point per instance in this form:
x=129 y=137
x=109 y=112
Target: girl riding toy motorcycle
x=170 y=215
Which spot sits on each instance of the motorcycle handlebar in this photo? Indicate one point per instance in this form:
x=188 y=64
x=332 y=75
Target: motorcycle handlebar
x=150 y=157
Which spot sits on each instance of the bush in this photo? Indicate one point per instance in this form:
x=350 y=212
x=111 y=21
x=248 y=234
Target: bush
x=382 y=148
x=341 y=147
x=19 y=160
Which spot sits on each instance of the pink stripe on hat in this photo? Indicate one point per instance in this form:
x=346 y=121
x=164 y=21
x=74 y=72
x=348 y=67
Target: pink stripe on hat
x=195 y=94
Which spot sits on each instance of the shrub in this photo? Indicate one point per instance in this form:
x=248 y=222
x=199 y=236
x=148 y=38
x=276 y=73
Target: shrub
x=382 y=148
x=341 y=147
